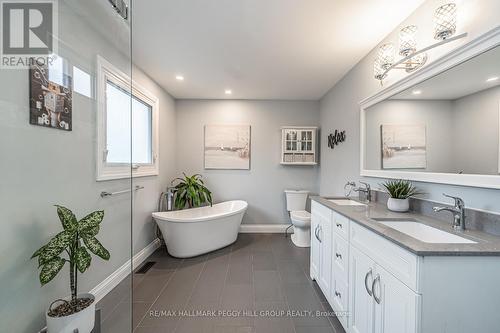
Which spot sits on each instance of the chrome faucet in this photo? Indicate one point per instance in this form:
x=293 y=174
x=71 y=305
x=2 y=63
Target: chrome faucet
x=367 y=192
x=458 y=212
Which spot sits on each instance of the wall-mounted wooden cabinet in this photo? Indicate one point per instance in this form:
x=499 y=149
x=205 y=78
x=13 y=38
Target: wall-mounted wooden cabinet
x=298 y=145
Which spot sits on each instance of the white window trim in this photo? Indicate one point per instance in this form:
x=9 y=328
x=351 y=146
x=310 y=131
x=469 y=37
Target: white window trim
x=107 y=72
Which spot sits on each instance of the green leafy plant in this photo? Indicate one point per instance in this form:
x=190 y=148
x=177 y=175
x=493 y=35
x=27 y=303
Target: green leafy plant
x=72 y=245
x=191 y=192
x=400 y=189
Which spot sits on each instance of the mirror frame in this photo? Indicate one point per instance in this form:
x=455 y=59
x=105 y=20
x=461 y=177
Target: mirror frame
x=459 y=55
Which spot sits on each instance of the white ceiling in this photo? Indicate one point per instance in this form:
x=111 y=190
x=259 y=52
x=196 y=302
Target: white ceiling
x=261 y=49
x=459 y=81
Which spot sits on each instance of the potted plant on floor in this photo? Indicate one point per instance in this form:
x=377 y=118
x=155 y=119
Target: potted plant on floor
x=72 y=246
x=399 y=193
x=191 y=191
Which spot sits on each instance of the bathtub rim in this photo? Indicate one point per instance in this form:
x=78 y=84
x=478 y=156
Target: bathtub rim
x=160 y=216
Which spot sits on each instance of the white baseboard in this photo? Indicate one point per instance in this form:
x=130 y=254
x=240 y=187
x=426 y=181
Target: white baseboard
x=265 y=228
x=103 y=288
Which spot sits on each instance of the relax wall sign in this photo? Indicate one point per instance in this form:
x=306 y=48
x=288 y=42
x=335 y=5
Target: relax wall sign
x=334 y=139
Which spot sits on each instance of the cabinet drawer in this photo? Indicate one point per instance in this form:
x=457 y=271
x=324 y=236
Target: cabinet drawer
x=396 y=260
x=319 y=209
x=339 y=297
x=341 y=225
x=340 y=257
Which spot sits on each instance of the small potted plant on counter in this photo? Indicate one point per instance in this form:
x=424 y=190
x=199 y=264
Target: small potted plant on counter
x=399 y=193
x=191 y=191
x=72 y=245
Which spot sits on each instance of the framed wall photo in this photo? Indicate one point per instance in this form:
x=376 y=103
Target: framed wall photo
x=51 y=91
x=404 y=146
x=227 y=147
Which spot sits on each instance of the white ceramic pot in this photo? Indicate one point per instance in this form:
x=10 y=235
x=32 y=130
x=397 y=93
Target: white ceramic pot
x=398 y=205
x=83 y=320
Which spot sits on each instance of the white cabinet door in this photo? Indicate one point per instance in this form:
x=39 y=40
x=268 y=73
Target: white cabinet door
x=395 y=304
x=315 y=246
x=325 y=268
x=361 y=304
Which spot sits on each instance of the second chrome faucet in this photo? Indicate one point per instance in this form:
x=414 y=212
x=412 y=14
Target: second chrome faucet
x=458 y=212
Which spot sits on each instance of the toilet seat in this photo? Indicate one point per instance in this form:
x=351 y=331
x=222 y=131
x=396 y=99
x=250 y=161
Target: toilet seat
x=301 y=221
x=300 y=215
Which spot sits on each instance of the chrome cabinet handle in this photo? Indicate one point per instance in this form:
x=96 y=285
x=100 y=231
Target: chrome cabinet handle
x=320 y=230
x=377 y=278
x=339 y=295
x=316 y=233
x=338 y=255
x=369 y=273
x=339 y=225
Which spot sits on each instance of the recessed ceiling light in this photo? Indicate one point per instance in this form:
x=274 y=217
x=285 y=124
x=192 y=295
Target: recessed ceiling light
x=416 y=92
x=228 y=91
x=491 y=79
x=179 y=78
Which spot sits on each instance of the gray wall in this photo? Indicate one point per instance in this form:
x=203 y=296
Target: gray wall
x=476 y=132
x=262 y=186
x=435 y=115
x=340 y=106
x=42 y=167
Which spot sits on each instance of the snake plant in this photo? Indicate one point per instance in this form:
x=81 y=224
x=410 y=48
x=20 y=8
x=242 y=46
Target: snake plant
x=72 y=245
x=400 y=189
x=191 y=192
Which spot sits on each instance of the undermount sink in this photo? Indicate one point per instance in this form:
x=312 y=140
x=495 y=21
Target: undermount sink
x=423 y=232
x=346 y=202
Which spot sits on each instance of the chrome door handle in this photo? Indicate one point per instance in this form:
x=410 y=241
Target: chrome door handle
x=339 y=225
x=366 y=283
x=338 y=255
x=339 y=295
x=316 y=233
x=320 y=230
x=377 y=299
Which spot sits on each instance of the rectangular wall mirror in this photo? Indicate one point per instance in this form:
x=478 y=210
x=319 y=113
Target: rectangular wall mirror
x=443 y=129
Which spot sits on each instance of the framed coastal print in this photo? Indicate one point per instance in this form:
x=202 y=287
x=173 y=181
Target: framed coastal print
x=227 y=147
x=403 y=146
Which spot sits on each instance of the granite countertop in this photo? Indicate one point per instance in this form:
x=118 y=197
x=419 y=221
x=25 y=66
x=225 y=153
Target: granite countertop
x=486 y=244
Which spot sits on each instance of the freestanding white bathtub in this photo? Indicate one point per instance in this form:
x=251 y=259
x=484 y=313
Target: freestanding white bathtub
x=195 y=231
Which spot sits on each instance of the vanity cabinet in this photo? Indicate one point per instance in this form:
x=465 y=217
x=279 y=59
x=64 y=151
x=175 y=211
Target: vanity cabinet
x=347 y=262
x=360 y=295
x=396 y=305
x=379 y=302
x=321 y=245
x=330 y=257
x=385 y=288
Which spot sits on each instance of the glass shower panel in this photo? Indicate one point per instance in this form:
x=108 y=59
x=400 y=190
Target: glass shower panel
x=50 y=108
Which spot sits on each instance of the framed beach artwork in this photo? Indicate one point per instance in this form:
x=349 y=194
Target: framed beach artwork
x=227 y=147
x=404 y=146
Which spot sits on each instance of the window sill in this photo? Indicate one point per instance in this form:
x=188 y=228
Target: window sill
x=124 y=175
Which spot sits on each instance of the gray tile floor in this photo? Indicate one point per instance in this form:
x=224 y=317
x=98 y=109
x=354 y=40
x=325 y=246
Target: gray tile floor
x=241 y=288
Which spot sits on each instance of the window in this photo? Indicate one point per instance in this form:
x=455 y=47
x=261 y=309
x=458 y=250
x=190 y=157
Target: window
x=127 y=126
x=82 y=82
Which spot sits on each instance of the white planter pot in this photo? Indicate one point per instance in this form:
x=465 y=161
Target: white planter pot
x=398 y=205
x=83 y=320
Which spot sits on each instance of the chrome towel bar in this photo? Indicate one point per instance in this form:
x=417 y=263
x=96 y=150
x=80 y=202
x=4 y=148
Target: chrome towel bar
x=105 y=194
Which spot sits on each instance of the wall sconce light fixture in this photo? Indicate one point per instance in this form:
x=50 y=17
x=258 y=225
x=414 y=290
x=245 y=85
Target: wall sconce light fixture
x=445 y=21
x=445 y=26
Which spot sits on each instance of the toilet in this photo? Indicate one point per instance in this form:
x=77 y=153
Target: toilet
x=301 y=219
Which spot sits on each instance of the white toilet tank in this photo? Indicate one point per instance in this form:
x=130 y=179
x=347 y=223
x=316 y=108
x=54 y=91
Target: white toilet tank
x=296 y=200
